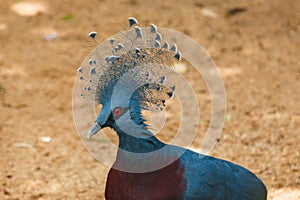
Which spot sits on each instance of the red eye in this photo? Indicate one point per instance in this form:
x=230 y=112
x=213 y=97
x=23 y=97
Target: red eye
x=117 y=112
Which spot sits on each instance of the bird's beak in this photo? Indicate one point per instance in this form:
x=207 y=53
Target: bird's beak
x=93 y=130
x=100 y=121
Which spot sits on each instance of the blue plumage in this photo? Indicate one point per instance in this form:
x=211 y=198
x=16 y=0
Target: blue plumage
x=204 y=177
x=212 y=178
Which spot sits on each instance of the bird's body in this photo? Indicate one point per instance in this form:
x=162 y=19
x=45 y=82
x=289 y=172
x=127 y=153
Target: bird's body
x=133 y=79
x=191 y=176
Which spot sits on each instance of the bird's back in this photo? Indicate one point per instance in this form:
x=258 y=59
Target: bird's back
x=216 y=179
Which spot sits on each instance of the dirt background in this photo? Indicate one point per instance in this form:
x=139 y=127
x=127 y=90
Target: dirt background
x=253 y=42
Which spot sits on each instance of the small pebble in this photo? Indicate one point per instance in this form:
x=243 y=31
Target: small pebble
x=208 y=13
x=29 y=8
x=46 y=139
x=50 y=37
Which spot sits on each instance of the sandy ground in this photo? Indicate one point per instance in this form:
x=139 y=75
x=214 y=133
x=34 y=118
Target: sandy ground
x=254 y=44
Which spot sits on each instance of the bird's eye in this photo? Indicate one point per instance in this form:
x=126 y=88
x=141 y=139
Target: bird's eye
x=117 y=112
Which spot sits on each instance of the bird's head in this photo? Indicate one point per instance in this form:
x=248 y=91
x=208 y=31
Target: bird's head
x=120 y=116
x=126 y=74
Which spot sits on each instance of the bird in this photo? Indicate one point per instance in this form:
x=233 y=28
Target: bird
x=126 y=74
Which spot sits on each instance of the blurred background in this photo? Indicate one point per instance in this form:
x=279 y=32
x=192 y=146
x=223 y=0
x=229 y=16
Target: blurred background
x=254 y=43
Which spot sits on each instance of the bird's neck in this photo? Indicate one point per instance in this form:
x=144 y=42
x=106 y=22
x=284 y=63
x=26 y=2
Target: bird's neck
x=143 y=154
x=146 y=142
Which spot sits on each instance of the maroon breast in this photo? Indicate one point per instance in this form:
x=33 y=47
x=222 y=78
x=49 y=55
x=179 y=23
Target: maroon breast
x=166 y=183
